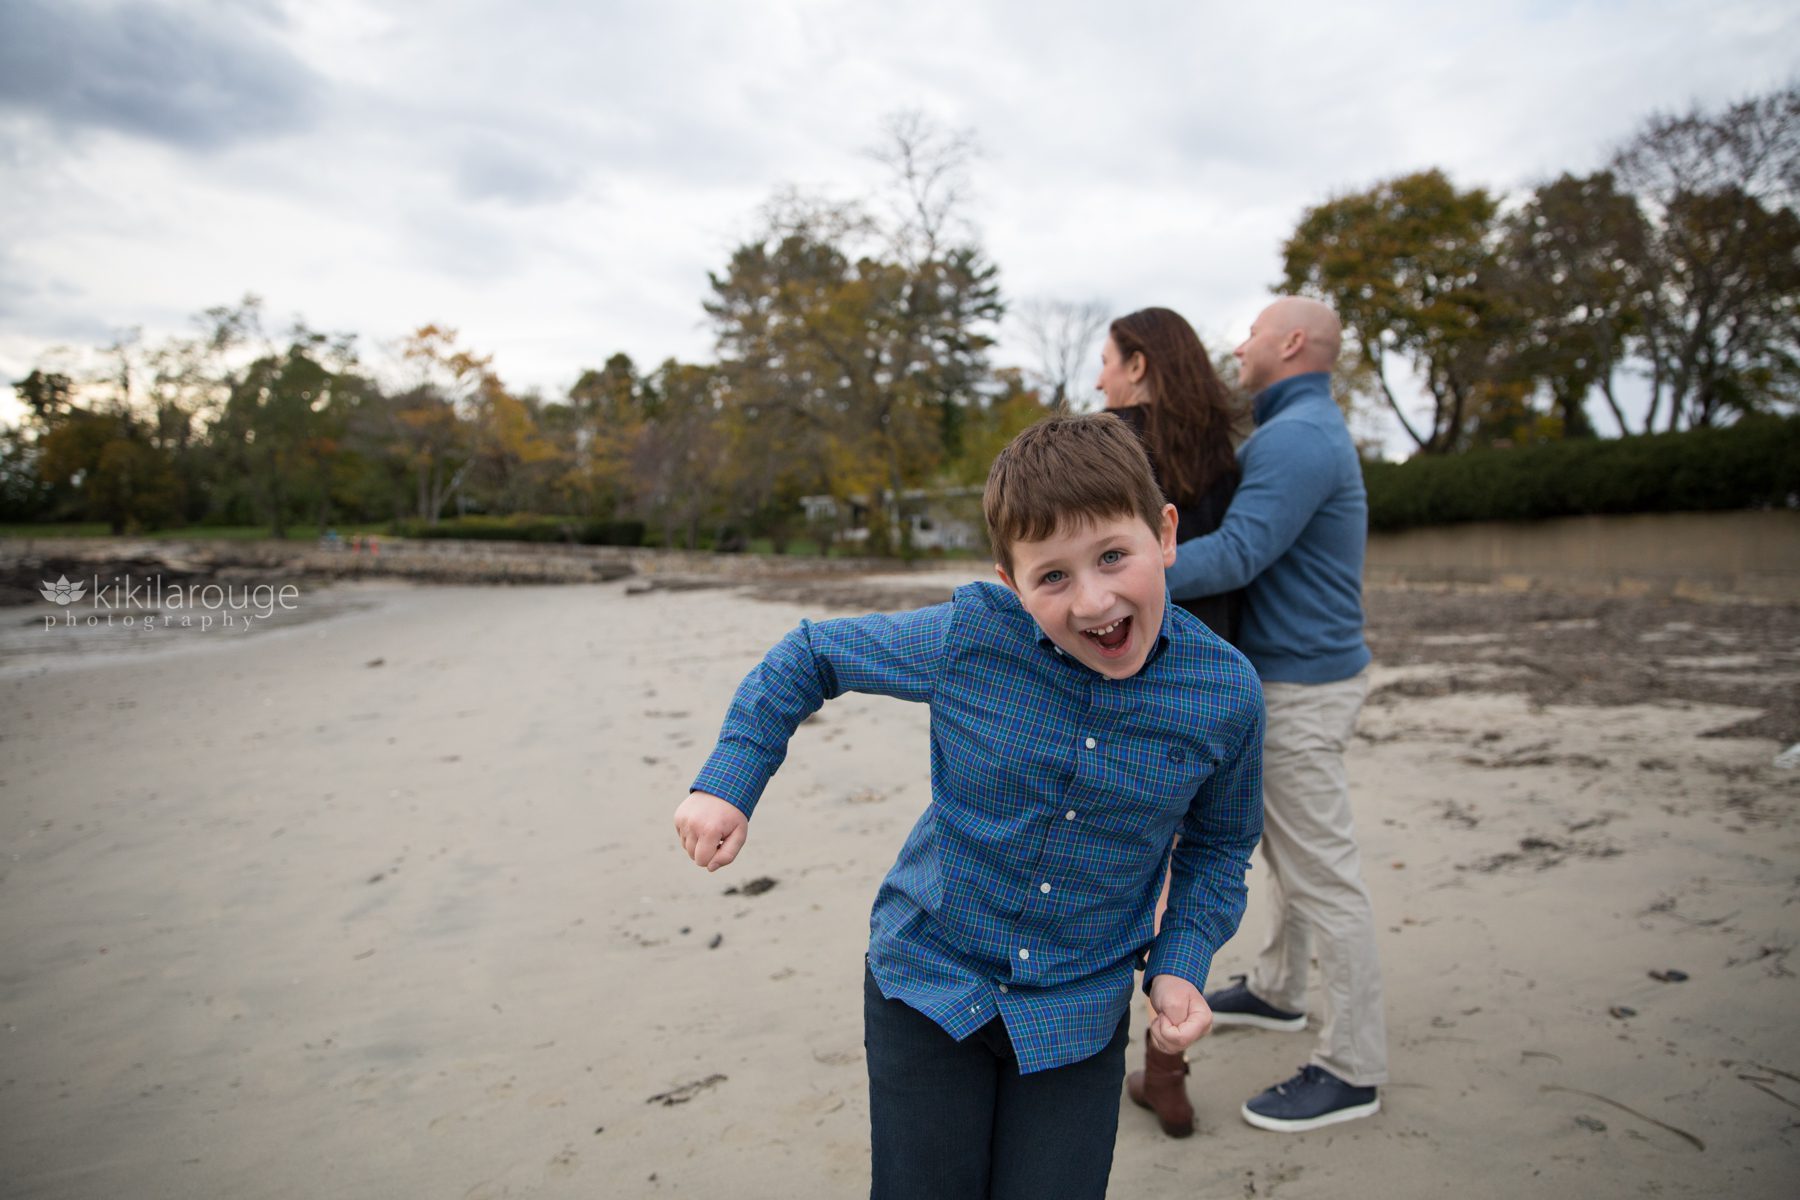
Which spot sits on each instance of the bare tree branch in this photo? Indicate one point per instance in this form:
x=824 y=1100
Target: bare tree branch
x=1061 y=334
x=929 y=165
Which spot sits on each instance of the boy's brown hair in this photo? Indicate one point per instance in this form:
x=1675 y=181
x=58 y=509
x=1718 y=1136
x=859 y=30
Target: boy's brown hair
x=1067 y=470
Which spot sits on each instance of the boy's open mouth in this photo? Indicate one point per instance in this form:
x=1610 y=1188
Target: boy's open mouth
x=1110 y=637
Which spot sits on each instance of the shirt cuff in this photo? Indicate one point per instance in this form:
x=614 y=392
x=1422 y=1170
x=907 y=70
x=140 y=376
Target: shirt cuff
x=1181 y=953
x=734 y=776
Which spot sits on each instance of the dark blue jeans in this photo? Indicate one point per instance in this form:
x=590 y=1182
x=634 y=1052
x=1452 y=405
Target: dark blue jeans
x=956 y=1121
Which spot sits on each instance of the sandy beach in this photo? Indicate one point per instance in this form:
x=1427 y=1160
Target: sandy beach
x=386 y=902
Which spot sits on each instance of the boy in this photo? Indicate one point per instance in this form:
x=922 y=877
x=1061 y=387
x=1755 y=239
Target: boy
x=1079 y=721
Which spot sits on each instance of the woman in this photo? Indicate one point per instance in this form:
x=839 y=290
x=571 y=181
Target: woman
x=1156 y=375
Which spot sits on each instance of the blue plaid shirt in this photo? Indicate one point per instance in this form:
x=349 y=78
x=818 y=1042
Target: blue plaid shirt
x=1028 y=887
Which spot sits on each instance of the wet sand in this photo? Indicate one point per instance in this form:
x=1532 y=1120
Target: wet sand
x=387 y=903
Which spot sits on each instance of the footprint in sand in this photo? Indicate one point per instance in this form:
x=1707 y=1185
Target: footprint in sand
x=564 y=1164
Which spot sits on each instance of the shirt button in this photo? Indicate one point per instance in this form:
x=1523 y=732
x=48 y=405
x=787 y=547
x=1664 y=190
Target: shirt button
x=1044 y=888
x=1024 y=953
x=1003 y=989
x=1091 y=743
x=1069 y=816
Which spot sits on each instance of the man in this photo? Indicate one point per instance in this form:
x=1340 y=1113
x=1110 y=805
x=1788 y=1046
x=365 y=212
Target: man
x=1294 y=535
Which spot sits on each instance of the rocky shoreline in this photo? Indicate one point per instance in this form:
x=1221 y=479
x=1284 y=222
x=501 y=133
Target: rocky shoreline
x=26 y=564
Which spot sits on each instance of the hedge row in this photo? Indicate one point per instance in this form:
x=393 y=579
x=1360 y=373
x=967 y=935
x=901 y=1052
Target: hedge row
x=1752 y=464
x=525 y=527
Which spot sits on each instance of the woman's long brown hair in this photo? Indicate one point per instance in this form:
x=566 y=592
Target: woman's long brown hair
x=1188 y=425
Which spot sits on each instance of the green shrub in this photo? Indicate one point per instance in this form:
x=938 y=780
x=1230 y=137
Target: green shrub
x=528 y=527
x=1752 y=464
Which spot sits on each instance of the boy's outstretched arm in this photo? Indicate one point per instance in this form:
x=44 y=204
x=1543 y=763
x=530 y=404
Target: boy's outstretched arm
x=887 y=655
x=712 y=831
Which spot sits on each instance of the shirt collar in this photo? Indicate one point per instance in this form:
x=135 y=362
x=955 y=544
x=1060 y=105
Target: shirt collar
x=1278 y=396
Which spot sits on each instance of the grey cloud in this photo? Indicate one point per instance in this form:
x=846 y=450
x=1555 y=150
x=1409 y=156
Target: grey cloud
x=32 y=302
x=488 y=168
x=53 y=312
x=196 y=80
x=463 y=244
x=692 y=106
x=18 y=294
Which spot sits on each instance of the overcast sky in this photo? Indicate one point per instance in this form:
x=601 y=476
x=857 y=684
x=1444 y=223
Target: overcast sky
x=555 y=179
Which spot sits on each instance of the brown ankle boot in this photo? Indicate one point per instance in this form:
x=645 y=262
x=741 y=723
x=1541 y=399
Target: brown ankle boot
x=1161 y=1087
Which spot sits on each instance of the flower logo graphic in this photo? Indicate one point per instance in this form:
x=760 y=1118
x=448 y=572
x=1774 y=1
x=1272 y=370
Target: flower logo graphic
x=62 y=591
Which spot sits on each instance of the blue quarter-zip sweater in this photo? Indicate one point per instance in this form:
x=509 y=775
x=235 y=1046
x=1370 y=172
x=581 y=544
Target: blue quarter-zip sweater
x=1294 y=535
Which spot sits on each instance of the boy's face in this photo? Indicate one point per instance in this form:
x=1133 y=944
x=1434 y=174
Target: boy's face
x=1096 y=588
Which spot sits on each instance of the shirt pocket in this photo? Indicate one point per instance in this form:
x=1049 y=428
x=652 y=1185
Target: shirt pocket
x=1151 y=782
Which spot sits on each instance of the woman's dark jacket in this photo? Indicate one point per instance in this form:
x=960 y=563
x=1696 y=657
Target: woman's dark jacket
x=1223 y=612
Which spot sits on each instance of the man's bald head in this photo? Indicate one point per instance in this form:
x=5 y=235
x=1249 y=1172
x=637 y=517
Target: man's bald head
x=1322 y=330
x=1293 y=336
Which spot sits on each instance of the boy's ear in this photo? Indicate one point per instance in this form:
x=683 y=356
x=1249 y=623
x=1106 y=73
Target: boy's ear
x=1005 y=578
x=1166 y=535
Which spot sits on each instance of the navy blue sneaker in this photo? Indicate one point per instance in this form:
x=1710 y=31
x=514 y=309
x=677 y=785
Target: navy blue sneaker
x=1313 y=1098
x=1238 y=1005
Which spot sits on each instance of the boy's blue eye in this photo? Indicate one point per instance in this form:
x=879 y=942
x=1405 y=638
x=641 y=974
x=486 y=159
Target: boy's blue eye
x=1051 y=577
x=1112 y=556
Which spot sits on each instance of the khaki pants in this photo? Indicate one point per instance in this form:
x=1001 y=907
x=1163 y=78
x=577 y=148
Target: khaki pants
x=1315 y=877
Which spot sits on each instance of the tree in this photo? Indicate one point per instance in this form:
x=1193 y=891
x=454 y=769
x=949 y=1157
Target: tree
x=1061 y=335
x=511 y=457
x=612 y=394
x=801 y=364
x=45 y=395
x=1408 y=266
x=605 y=413
x=951 y=299
x=270 y=430
x=186 y=382
x=354 y=478
x=680 y=451
x=1572 y=264
x=1718 y=190
x=102 y=460
x=1752 y=146
x=429 y=429
x=929 y=187
x=24 y=494
x=1722 y=328
x=1000 y=417
x=106 y=460
x=425 y=434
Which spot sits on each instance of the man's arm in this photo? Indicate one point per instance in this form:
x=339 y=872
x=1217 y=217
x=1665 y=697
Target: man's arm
x=1288 y=473
x=890 y=655
x=1206 y=885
